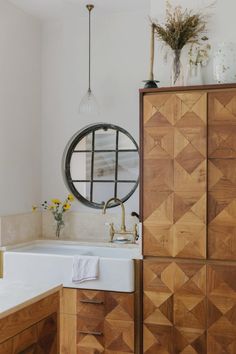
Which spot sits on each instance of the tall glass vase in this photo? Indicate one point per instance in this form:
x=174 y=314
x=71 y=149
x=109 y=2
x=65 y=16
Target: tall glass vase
x=177 y=72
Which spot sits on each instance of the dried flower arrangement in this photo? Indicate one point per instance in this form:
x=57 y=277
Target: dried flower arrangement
x=182 y=27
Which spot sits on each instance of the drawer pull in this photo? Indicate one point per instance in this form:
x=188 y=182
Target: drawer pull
x=92 y=333
x=95 y=302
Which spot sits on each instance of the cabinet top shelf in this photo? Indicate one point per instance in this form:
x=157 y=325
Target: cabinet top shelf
x=188 y=88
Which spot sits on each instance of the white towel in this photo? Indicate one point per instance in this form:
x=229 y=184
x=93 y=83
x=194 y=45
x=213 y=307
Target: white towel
x=85 y=268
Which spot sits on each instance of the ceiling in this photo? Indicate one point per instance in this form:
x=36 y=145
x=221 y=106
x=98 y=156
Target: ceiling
x=45 y=9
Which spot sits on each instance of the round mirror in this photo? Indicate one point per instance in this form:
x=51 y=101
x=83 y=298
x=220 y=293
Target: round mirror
x=100 y=162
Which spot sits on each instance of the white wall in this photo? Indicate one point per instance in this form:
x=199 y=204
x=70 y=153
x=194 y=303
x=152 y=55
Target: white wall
x=120 y=53
x=20 y=92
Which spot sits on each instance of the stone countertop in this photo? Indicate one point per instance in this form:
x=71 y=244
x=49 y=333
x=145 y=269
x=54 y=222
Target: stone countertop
x=17 y=295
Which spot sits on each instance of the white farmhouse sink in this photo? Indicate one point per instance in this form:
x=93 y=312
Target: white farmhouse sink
x=51 y=261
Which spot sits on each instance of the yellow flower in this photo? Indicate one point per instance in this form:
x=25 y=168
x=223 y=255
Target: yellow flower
x=56 y=201
x=66 y=206
x=34 y=207
x=70 y=198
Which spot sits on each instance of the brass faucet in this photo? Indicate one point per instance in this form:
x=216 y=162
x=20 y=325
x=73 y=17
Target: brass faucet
x=123 y=230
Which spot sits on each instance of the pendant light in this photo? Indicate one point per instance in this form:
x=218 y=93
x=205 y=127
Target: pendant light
x=88 y=104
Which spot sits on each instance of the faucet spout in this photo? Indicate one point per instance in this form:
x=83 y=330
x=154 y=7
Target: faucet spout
x=117 y=200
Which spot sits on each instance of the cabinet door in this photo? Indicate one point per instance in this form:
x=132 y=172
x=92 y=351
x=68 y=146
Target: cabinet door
x=222 y=176
x=174 y=175
x=174 y=307
x=221 y=321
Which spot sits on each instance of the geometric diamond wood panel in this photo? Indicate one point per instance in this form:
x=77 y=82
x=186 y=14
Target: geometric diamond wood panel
x=25 y=341
x=119 y=306
x=222 y=124
x=6 y=347
x=47 y=335
x=222 y=209
x=119 y=337
x=174 y=175
x=174 y=307
x=221 y=288
x=221 y=176
x=119 y=323
x=40 y=338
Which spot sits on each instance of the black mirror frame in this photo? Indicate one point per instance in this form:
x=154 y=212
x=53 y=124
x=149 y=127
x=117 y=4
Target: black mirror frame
x=68 y=155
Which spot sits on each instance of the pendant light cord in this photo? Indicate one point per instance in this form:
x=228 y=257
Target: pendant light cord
x=89 y=89
x=90 y=7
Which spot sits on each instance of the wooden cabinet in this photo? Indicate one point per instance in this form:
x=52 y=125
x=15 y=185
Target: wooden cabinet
x=188 y=197
x=27 y=331
x=102 y=322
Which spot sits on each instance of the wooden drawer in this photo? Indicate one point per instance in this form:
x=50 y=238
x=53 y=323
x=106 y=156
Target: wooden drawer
x=98 y=304
x=107 y=336
x=90 y=335
x=90 y=304
x=88 y=326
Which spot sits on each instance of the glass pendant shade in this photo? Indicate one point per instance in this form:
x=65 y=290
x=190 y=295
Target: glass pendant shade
x=89 y=104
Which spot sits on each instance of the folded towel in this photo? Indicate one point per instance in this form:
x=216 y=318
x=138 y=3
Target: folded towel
x=85 y=268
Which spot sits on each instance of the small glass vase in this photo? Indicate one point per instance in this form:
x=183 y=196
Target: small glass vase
x=194 y=75
x=177 y=72
x=59 y=226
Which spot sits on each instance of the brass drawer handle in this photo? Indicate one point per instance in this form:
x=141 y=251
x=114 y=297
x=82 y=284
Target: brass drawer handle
x=95 y=302
x=92 y=333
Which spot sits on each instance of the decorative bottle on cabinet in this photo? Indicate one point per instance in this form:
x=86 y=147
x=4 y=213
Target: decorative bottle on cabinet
x=188 y=208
